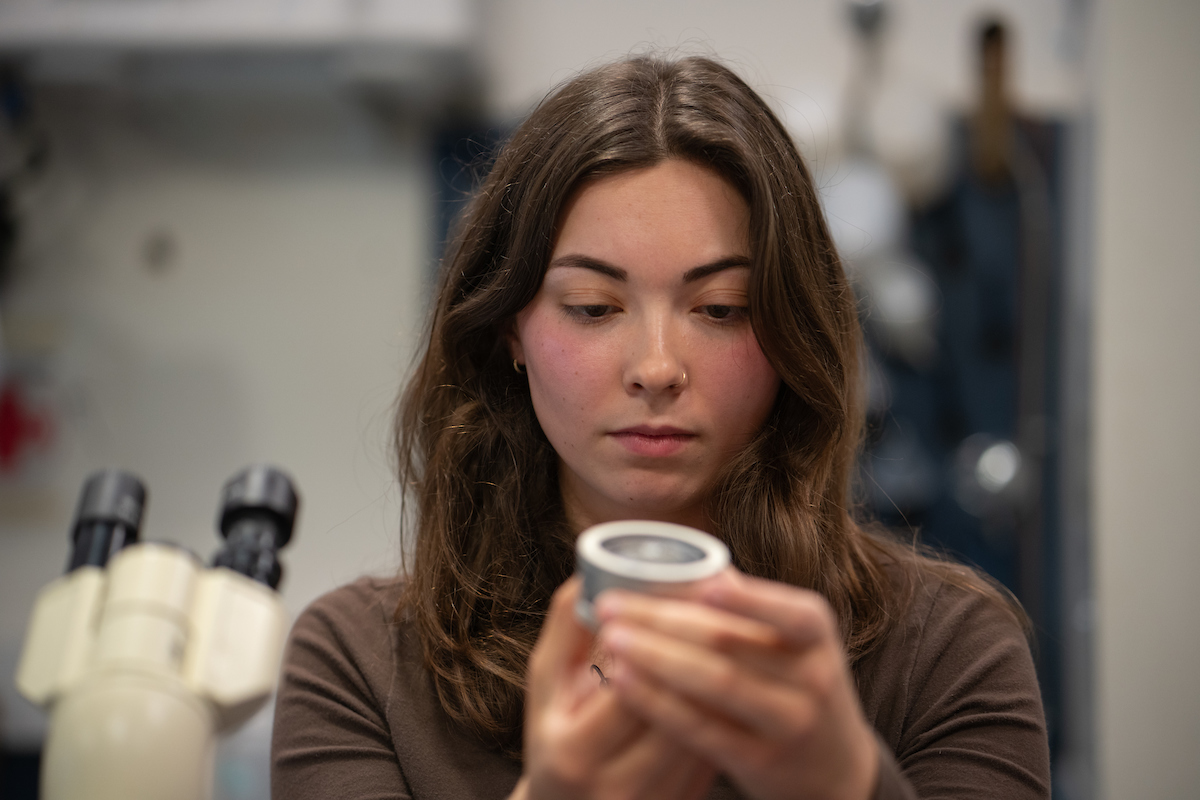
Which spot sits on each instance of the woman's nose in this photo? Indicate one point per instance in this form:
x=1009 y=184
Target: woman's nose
x=657 y=363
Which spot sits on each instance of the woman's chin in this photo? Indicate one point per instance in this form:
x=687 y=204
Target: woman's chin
x=644 y=495
x=664 y=507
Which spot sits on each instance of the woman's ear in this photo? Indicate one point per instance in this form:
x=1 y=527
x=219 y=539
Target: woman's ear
x=513 y=340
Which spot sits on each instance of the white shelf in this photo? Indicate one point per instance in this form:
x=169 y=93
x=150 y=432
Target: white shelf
x=219 y=24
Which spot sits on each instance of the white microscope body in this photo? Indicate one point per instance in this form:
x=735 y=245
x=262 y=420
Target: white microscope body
x=142 y=662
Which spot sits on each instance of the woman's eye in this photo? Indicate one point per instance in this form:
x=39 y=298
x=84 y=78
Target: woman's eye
x=595 y=311
x=723 y=312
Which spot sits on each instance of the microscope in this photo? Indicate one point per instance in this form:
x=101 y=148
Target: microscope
x=143 y=656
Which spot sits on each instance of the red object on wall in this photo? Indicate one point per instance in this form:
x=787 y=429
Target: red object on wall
x=22 y=427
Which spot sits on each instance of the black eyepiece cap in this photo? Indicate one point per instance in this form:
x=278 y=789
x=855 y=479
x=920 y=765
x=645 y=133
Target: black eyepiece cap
x=259 y=491
x=108 y=518
x=110 y=495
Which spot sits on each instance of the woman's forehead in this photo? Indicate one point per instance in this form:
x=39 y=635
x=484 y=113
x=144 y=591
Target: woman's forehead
x=675 y=212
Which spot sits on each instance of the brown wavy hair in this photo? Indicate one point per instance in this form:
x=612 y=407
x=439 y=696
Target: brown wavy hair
x=491 y=541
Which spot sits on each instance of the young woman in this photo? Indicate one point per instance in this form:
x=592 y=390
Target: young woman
x=642 y=315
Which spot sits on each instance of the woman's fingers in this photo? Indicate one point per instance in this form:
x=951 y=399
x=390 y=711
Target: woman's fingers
x=603 y=725
x=722 y=639
x=801 y=616
x=768 y=658
x=752 y=611
x=563 y=689
x=580 y=738
x=648 y=763
x=752 y=676
x=702 y=729
x=702 y=625
x=760 y=691
x=563 y=643
x=657 y=766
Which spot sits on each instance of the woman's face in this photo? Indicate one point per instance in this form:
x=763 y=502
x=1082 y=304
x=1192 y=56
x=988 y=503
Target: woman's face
x=642 y=365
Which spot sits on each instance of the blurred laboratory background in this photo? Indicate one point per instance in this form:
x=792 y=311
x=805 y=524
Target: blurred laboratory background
x=220 y=221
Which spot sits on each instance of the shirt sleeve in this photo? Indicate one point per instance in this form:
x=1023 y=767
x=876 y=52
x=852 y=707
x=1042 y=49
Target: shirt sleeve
x=972 y=724
x=331 y=736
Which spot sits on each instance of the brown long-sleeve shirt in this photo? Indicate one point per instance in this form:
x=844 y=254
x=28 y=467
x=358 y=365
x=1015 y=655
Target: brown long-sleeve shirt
x=951 y=692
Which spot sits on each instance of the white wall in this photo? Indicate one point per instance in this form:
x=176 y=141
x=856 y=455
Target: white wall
x=1147 y=381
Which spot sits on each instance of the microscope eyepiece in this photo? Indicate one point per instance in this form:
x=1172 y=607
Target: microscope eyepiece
x=259 y=491
x=258 y=513
x=107 y=519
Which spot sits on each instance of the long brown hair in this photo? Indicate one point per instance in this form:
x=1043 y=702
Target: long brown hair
x=491 y=540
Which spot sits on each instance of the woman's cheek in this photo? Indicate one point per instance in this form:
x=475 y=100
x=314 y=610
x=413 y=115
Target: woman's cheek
x=569 y=370
x=749 y=383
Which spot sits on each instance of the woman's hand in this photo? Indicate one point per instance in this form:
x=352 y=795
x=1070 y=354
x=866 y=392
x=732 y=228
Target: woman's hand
x=580 y=740
x=754 y=677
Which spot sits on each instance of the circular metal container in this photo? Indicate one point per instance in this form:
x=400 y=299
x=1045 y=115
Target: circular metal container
x=643 y=556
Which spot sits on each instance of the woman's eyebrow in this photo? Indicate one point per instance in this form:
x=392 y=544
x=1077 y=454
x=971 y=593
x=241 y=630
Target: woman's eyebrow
x=704 y=270
x=618 y=274
x=594 y=264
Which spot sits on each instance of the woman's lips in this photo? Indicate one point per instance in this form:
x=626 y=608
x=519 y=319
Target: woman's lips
x=647 y=440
